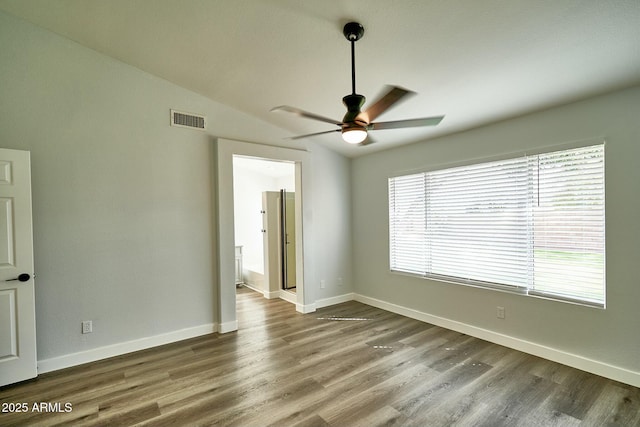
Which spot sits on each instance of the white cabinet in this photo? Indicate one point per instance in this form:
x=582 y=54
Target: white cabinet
x=239 y=280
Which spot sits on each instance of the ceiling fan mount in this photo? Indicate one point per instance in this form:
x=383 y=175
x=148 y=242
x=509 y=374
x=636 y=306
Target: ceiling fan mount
x=355 y=124
x=353 y=31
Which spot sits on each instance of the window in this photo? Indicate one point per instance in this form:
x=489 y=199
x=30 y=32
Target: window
x=533 y=224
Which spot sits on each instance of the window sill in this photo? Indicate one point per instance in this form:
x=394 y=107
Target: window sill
x=503 y=288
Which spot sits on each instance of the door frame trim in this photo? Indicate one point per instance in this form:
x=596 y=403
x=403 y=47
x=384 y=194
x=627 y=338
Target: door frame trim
x=224 y=151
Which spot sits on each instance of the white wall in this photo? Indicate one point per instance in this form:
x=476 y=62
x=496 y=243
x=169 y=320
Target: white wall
x=123 y=203
x=606 y=336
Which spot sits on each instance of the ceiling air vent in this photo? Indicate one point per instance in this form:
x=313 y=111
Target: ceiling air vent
x=188 y=120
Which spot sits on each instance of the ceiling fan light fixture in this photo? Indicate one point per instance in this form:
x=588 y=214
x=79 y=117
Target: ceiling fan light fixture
x=356 y=123
x=354 y=135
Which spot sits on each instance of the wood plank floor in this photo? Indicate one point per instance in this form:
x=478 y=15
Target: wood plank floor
x=346 y=365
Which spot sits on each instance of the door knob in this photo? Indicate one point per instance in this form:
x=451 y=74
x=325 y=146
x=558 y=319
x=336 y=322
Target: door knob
x=24 y=277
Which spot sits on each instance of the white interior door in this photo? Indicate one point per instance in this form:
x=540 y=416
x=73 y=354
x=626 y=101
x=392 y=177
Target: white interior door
x=17 y=298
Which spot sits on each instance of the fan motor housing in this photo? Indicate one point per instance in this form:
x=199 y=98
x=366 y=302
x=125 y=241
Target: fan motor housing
x=354 y=103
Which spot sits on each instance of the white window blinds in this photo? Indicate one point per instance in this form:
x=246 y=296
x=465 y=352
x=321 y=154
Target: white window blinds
x=533 y=224
x=408 y=220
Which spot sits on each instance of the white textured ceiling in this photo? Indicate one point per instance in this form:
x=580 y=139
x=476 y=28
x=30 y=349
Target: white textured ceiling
x=475 y=61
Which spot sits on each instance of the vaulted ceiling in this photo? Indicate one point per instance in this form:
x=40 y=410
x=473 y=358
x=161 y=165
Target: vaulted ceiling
x=474 y=61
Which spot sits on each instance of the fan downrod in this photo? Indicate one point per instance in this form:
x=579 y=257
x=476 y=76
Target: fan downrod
x=353 y=31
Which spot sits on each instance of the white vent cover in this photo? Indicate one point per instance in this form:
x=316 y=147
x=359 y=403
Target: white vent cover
x=188 y=120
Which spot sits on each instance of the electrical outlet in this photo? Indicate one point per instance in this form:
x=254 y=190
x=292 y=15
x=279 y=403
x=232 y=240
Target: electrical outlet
x=322 y=284
x=87 y=327
x=500 y=312
x=339 y=281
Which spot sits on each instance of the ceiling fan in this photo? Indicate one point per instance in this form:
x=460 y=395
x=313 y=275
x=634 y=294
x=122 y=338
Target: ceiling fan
x=356 y=123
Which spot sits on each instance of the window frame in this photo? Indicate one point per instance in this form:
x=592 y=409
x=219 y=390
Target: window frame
x=513 y=289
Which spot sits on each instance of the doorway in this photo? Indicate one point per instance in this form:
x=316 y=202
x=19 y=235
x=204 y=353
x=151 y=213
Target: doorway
x=222 y=156
x=265 y=225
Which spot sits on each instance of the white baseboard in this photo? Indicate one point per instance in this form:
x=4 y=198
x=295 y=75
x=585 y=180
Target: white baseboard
x=252 y=287
x=271 y=294
x=266 y=294
x=95 y=354
x=288 y=296
x=305 y=308
x=310 y=308
x=576 y=361
x=326 y=302
x=293 y=298
x=225 y=327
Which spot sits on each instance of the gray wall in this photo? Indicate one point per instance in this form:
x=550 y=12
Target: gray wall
x=608 y=336
x=124 y=207
x=331 y=245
